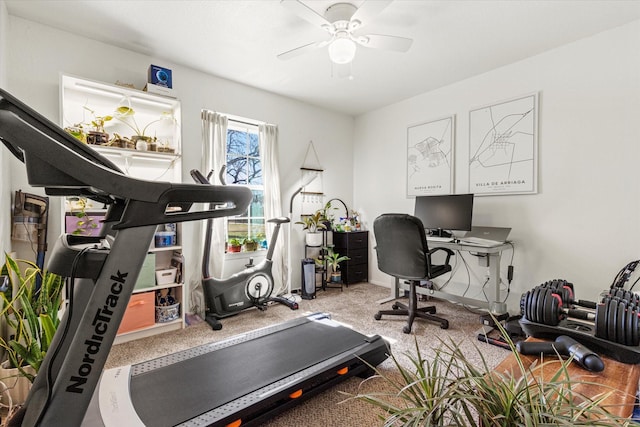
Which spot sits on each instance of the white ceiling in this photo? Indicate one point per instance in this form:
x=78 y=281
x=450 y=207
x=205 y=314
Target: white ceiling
x=239 y=40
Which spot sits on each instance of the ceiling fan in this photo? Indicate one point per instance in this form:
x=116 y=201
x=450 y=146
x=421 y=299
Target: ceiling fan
x=341 y=21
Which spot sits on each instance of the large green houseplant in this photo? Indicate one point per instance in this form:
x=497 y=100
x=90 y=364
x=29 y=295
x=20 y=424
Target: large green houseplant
x=30 y=315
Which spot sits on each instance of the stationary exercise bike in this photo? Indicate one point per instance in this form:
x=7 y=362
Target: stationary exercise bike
x=251 y=287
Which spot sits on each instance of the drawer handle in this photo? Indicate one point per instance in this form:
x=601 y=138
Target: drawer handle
x=133 y=304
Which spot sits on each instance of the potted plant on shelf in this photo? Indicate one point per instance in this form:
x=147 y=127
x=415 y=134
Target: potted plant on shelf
x=262 y=240
x=326 y=218
x=312 y=223
x=142 y=142
x=354 y=220
x=31 y=318
x=122 y=142
x=250 y=244
x=98 y=136
x=234 y=245
x=333 y=260
x=83 y=223
x=77 y=131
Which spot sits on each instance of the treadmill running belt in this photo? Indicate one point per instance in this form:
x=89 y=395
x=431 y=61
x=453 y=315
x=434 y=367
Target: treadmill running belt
x=173 y=394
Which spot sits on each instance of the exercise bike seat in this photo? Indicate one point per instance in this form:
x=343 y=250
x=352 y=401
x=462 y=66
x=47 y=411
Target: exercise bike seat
x=279 y=220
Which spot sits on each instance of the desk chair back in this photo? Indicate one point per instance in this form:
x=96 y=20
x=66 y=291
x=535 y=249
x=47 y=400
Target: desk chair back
x=401 y=246
x=402 y=251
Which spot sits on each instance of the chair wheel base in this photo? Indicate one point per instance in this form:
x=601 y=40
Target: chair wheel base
x=377 y=316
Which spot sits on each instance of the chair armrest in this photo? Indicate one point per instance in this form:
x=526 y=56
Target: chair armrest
x=449 y=252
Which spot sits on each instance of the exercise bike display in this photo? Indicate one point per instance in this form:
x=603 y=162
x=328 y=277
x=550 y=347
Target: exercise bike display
x=252 y=287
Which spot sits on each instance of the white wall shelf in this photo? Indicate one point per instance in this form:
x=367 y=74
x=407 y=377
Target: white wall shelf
x=156 y=116
x=81 y=100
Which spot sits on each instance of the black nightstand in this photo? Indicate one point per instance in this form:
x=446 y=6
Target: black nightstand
x=355 y=245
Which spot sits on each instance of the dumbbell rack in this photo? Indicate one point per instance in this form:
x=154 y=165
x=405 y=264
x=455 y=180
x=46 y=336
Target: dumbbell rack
x=614 y=332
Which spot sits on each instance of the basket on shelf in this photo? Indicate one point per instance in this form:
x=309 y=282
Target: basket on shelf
x=167 y=309
x=167 y=313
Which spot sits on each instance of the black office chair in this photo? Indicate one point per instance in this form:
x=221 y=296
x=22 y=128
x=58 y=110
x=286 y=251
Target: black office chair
x=403 y=253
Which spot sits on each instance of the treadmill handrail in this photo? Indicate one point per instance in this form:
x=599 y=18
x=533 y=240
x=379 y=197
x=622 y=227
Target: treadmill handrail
x=65 y=166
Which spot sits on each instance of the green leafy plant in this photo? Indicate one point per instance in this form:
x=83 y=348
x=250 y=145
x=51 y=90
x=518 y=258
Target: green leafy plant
x=98 y=122
x=314 y=222
x=85 y=222
x=31 y=314
x=334 y=259
x=126 y=115
x=234 y=245
x=450 y=390
x=326 y=216
x=250 y=244
x=77 y=131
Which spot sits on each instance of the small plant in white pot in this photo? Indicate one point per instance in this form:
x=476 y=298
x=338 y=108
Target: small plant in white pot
x=313 y=223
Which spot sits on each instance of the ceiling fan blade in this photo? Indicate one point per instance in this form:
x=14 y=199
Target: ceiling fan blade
x=379 y=41
x=302 y=49
x=369 y=10
x=306 y=13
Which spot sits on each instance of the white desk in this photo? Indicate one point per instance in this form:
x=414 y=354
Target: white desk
x=495 y=306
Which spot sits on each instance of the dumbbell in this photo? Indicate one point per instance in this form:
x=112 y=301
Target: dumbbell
x=544 y=305
x=617 y=321
x=566 y=292
x=631 y=298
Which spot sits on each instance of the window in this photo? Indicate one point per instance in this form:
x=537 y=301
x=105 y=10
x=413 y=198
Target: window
x=244 y=167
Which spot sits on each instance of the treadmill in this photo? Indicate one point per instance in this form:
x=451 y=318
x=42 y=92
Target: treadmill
x=242 y=380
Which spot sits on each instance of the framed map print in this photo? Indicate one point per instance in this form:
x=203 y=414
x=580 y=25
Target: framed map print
x=503 y=147
x=430 y=157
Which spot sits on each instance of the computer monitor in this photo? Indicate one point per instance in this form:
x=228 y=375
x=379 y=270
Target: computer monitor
x=442 y=214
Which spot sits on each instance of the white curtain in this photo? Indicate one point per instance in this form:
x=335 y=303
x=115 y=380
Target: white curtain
x=268 y=137
x=214 y=143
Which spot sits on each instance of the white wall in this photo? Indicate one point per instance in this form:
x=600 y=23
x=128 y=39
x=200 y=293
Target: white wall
x=584 y=223
x=39 y=54
x=5 y=176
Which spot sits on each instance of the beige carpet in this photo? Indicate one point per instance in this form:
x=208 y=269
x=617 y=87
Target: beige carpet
x=354 y=306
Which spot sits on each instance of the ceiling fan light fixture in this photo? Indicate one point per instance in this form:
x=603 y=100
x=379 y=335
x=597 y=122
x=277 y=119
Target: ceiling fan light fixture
x=342 y=50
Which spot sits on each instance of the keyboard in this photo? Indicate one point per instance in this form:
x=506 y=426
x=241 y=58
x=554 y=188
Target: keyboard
x=439 y=239
x=477 y=241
